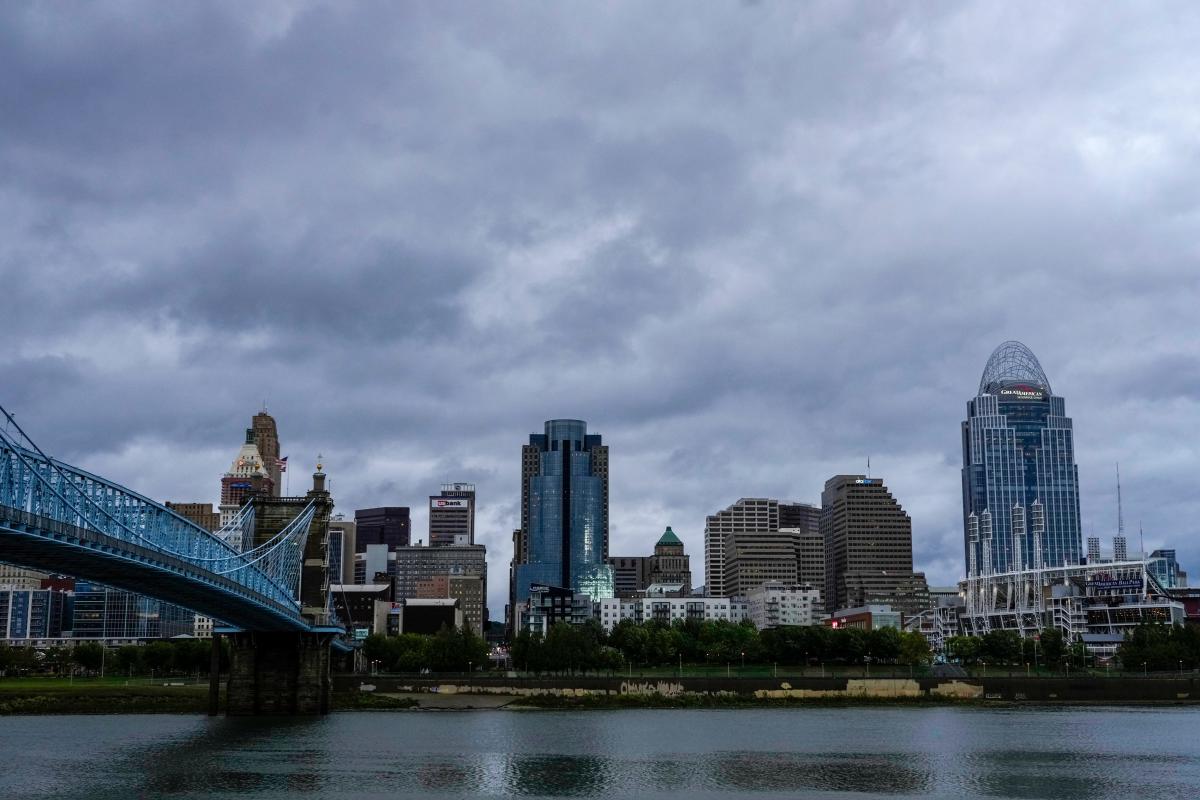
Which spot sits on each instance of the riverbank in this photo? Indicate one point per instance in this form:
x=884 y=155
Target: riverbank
x=43 y=696
x=599 y=692
x=384 y=693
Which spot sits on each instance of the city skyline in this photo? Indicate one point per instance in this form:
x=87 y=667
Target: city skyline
x=428 y=232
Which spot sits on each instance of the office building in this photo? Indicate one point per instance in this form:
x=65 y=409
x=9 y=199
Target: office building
x=747 y=515
x=546 y=606
x=389 y=526
x=452 y=515
x=774 y=605
x=203 y=514
x=343 y=538
x=29 y=614
x=424 y=615
x=564 y=512
x=1019 y=478
x=631 y=574
x=464 y=568
x=1162 y=566
x=376 y=564
x=19 y=578
x=101 y=612
x=468 y=590
x=247 y=477
x=753 y=558
x=266 y=439
x=868 y=547
x=669 y=565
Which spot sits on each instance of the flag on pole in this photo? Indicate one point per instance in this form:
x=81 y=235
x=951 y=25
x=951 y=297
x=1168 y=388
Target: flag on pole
x=281 y=463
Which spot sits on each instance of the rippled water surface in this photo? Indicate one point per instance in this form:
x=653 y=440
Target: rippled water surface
x=856 y=752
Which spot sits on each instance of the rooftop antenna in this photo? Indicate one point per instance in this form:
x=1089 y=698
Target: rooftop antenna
x=868 y=467
x=1120 y=511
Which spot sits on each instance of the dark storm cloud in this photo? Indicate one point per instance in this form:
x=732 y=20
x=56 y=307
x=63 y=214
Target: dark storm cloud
x=751 y=244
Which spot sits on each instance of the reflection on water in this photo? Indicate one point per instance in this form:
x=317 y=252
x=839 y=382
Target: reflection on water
x=845 y=772
x=793 y=753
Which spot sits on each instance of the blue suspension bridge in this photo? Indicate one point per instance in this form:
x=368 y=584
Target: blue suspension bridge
x=57 y=518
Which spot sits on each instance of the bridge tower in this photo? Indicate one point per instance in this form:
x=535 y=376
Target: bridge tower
x=288 y=672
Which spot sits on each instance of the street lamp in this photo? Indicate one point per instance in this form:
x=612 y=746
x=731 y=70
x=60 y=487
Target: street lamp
x=1145 y=674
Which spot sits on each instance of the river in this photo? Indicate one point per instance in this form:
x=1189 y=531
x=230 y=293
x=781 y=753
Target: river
x=868 y=752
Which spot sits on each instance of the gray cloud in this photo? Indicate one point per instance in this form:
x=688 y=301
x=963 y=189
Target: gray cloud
x=751 y=244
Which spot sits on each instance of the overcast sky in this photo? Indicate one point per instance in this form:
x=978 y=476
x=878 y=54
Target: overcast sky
x=751 y=244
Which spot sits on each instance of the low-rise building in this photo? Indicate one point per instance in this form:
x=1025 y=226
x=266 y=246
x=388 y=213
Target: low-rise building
x=361 y=607
x=866 y=617
x=772 y=605
x=612 y=610
x=550 y=605
x=424 y=615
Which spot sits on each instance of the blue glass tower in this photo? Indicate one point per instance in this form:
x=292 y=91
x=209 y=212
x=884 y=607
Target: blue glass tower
x=564 y=511
x=1020 y=482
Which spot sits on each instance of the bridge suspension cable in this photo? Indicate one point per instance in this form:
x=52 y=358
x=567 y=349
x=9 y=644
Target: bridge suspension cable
x=276 y=561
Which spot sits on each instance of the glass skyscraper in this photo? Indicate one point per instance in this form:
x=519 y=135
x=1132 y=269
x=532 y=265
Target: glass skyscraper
x=1020 y=482
x=564 y=511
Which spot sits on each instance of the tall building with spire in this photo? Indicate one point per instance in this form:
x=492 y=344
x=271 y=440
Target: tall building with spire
x=1019 y=478
x=247 y=477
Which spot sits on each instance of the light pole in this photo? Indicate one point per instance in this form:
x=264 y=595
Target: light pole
x=1145 y=673
x=1181 y=668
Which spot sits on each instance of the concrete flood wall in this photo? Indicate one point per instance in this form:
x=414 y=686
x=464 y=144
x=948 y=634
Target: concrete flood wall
x=1041 y=690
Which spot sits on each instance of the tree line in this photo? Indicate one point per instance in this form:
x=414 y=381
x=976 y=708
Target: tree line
x=1155 y=647
x=587 y=647
x=163 y=657
x=449 y=650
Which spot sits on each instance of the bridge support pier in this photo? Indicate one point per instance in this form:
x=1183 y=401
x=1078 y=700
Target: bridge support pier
x=278 y=674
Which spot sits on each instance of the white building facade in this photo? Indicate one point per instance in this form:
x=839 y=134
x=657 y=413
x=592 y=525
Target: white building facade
x=773 y=605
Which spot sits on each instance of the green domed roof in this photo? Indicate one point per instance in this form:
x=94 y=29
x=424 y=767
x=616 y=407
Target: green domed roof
x=669 y=537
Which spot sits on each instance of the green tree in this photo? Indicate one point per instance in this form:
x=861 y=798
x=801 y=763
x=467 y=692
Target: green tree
x=127 y=660
x=159 y=657
x=914 y=650
x=89 y=656
x=1052 y=645
x=883 y=645
x=964 y=649
x=1001 y=647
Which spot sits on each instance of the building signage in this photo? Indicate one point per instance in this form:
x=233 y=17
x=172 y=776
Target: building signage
x=1022 y=392
x=1110 y=585
x=361 y=633
x=867 y=481
x=449 y=503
